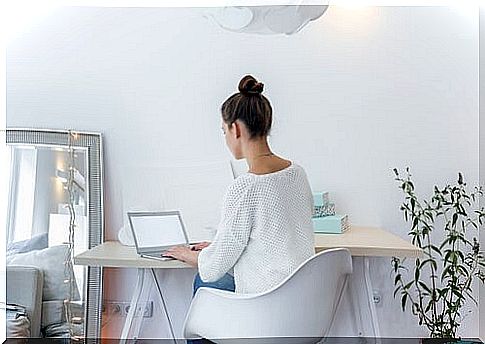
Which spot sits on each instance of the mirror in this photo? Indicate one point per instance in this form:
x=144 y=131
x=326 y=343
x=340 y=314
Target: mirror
x=54 y=212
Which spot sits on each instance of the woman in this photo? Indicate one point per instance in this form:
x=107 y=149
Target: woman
x=265 y=231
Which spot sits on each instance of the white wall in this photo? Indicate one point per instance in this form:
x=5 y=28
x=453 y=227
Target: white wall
x=355 y=94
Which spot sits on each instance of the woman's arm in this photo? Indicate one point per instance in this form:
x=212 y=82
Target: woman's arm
x=201 y=245
x=231 y=238
x=184 y=254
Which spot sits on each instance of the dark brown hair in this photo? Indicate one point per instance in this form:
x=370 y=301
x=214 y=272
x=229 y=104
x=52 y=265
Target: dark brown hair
x=249 y=106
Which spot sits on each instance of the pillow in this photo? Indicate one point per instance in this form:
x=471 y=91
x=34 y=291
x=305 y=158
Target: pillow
x=52 y=313
x=51 y=262
x=37 y=242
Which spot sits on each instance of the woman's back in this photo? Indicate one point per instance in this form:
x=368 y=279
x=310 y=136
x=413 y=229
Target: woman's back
x=265 y=232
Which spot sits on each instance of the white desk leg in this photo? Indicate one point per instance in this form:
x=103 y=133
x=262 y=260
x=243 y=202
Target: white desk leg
x=370 y=297
x=355 y=305
x=164 y=306
x=133 y=305
x=144 y=296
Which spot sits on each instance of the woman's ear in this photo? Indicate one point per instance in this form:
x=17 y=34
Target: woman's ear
x=237 y=128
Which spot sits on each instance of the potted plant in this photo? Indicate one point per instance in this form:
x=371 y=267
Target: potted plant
x=439 y=283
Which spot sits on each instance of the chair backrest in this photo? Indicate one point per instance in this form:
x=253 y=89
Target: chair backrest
x=307 y=299
x=298 y=310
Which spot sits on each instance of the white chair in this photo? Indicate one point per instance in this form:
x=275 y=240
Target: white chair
x=300 y=309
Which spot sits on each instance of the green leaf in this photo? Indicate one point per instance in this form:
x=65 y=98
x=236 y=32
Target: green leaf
x=424 y=286
x=419 y=241
x=444 y=243
x=463 y=270
x=428 y=306
x=415 y=223
x=457 y=293
x=448 y=255
x=396 y=290
x=446 y=272
x=403 y=302
x=436 y=249
x=460 y=255
x=430 y=261
x=411 y=185
x=442 y=293
x=455 y=218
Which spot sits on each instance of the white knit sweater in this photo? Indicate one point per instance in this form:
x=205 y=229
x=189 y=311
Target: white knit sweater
x=265 y=231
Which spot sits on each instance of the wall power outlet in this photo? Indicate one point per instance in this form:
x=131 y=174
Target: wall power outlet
x=376 y=296
x=121 y=309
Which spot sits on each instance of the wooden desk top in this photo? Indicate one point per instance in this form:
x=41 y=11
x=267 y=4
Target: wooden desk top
x=361 y=241
x=112 y=254
x=368 y=241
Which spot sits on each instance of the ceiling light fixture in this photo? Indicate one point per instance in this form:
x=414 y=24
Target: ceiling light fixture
x=281 y=19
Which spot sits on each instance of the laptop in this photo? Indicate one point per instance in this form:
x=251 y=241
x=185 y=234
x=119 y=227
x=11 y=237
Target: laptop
x=156 y=232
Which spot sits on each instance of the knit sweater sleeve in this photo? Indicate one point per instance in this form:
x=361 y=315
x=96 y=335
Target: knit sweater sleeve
x=232 y=234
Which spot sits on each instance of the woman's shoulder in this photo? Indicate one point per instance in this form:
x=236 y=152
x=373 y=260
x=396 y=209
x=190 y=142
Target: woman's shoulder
x=238 y=190
x=242 y=183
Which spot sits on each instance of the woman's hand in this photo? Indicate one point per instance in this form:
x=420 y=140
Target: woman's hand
x=201 y=245
x=184 y=254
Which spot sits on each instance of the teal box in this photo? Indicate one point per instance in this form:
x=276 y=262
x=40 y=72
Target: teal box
x=324 y=210
x=331 y=224
x=320 y=198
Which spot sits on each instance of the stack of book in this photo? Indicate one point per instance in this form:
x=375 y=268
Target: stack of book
x=324 y=218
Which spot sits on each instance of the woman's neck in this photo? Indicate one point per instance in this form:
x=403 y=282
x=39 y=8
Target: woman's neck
x=261 y=160
x=256 y=152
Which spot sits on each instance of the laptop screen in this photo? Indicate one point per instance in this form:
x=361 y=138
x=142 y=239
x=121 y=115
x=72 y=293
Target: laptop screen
x=152 y=231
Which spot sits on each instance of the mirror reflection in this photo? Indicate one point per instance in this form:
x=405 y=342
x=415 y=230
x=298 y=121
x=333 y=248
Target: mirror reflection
x=41 y=280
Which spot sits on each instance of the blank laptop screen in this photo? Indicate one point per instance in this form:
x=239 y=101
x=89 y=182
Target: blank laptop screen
x=158 y=230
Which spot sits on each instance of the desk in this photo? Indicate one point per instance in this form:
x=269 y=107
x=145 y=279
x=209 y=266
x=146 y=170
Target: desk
x=112 y=254
x=361 y=241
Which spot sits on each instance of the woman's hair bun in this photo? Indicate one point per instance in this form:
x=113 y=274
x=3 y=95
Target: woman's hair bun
x=249 y=85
